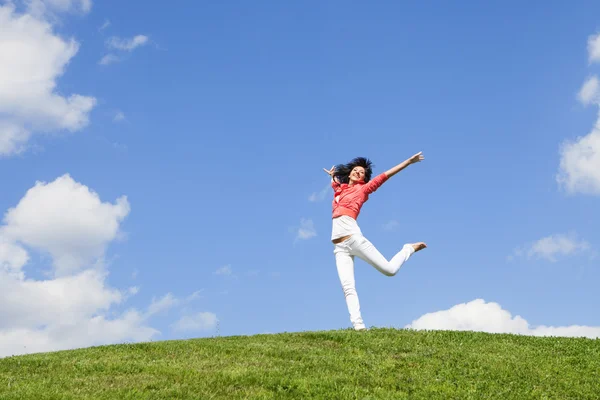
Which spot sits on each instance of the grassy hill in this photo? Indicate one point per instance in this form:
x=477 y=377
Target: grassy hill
x=377 y=364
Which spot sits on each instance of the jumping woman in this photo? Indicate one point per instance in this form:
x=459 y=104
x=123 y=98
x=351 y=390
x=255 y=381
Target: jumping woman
x=352 y=186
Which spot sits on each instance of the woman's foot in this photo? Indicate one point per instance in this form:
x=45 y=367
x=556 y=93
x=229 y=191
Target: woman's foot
x=418 y=246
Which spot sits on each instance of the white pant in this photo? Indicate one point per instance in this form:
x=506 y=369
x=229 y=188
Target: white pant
x=358 y=245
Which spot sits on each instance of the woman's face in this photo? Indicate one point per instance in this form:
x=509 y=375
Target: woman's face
x=357 y=175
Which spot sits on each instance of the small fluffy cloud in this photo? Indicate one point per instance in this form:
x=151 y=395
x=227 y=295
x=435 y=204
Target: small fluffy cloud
x=163 y=304
x=119 y=44
x=593 y=47
x=194 y=296
x=109 y=59
x=203 y=321
x=589 y=91
x=478 y=315
x=306 y=229
x=126 y=44
x=553 y=246
x=32 y=58
x=579 y=170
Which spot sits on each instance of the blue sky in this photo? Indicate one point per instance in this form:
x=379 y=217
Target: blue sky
x=215 y=121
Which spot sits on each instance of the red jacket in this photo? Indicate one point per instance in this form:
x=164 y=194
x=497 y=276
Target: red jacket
x=351 y=198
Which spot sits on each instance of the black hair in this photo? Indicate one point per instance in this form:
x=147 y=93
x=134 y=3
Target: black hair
x=342 y=171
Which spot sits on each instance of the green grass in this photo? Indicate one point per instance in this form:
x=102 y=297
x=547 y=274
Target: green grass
x=377 y=364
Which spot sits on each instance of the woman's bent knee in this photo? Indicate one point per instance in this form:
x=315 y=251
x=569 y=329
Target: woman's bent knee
x=387 y=271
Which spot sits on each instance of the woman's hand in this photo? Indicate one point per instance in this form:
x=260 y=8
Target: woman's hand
x=330 y=172
x=416 y=158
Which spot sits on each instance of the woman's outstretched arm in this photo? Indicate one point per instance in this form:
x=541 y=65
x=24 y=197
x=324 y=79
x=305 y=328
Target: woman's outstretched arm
x=376 y=182
x=414 y=159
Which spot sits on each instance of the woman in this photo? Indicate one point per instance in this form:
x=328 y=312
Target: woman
x=352 y=186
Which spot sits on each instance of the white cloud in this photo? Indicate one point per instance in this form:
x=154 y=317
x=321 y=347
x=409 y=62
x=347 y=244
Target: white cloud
x=478 y=315
x=319 y=196
x=33 y=57
x=126 y=44
x=75 y=307
x=28 y=304
x=109 y=59
x=119 y=44
x=579 y=170
x=202 y=321
x=86 y=224
x=306 y=229
x=224 y=270
x=194 y=296
x=589 y=91
x=119 y=116
x=593 y=47
x=164 y=303
x=550 y=247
